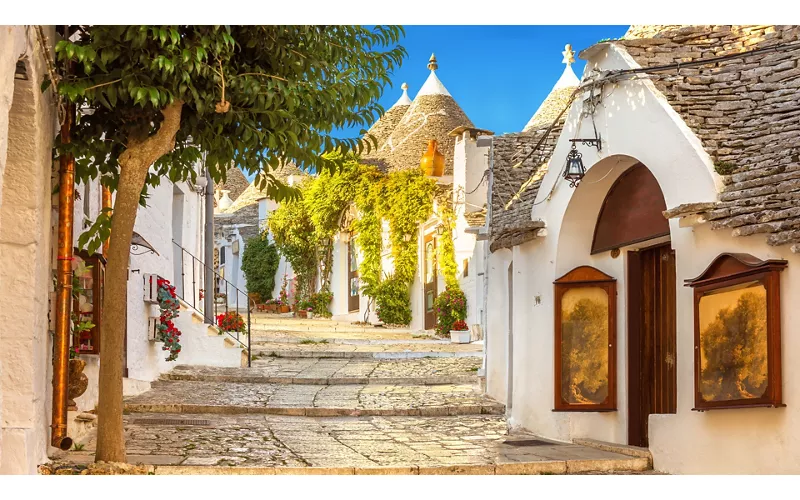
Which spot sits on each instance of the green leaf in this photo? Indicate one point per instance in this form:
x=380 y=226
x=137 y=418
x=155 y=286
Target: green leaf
x=46 y=84
x=154 y=97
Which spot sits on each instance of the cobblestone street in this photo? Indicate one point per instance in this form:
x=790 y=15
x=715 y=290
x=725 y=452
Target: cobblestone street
x=307 y=409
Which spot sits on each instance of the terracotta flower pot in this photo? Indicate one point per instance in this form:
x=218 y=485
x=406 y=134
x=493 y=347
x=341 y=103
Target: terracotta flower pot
x=78 y=382
x=302 y=314
x=285 y=309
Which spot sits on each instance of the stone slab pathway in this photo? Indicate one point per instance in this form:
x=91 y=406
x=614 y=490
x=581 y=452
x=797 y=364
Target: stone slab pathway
x=198 y=396
x=424 y=371
x=364 y=351
x=364 y=402
x=407 y=445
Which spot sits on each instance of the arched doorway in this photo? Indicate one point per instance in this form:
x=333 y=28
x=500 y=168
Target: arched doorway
x=631 y=217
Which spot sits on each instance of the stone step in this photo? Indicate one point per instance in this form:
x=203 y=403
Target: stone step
x=271 y=339
x=179 y=396
x=267 y=444
x=365 y=351
x=317 y=371
x=323 y=326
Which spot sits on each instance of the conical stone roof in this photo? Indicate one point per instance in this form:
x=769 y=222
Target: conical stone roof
x=383 y=128
x=252 y=194
x=559 y=96
x=432 y=115
x=235 y=182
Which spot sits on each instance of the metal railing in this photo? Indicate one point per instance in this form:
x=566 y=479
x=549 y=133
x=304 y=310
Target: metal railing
x=193 y=282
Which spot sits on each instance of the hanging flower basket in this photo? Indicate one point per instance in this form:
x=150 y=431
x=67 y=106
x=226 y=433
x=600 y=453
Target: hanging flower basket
x=166 y=330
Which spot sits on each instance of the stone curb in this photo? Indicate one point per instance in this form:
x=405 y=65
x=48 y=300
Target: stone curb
x=258 y=339
x=265 y=353
x=622 y=449
x=434 y=411
x=443 y=380
x=516 y=468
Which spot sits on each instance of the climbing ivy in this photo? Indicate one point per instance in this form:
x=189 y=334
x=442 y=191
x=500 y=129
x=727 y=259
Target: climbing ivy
x=446 y=248
x=304 y=231
x=259 y=263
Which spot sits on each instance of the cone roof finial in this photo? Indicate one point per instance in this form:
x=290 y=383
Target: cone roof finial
x=569 y=55
x=433 y=65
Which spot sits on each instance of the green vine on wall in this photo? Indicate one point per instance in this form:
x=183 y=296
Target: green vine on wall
x=446 y=248
x=304 y=231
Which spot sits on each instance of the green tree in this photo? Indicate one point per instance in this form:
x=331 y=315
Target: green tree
x=162 y=96
x=260 y=263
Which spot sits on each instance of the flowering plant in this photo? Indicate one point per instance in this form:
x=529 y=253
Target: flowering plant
x=284 y=295
x=231 y=321
x=202 y=294
x=167 y=332
x=460 y=326
x=451 y=306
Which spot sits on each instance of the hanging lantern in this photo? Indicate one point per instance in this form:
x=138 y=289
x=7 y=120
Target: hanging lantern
x=432 y=161
x=575 y=170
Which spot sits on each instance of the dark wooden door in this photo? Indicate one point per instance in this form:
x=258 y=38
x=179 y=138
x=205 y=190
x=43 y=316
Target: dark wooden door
x=352 y=275
x=652 y=383
x=430 y=276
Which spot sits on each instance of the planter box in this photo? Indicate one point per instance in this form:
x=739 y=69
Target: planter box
x=301 y=314
x=460 y=336
x=285 y=309
x=272 y=308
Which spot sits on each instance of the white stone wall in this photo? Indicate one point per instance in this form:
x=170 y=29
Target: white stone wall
x=27 y=129
x=636 y=124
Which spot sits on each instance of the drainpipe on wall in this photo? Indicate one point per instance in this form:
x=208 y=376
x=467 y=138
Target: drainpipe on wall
x=208 y=306
x=486 y=244
x=66 y=212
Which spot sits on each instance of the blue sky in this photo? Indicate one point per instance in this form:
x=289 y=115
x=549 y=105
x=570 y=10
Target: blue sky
x=498 y=74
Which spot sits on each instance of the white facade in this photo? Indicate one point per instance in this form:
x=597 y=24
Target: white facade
x=637 y=125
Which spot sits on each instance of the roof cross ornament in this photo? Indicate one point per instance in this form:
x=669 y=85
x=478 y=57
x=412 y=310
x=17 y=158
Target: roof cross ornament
x=569 y=55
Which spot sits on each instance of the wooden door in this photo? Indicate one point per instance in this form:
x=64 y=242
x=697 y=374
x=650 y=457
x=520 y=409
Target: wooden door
x=352 y=276
x=430 y=276
x=652 y=383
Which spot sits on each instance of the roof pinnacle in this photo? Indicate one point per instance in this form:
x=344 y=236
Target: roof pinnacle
x=432 y=64
x=569 y=55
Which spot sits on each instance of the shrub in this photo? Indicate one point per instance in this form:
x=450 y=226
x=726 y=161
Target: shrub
x=393 y=302
x=451 y=306
x=319 y=302
x=259 y=263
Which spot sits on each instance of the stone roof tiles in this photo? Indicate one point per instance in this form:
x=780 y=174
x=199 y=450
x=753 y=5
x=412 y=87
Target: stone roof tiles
x=745 y=111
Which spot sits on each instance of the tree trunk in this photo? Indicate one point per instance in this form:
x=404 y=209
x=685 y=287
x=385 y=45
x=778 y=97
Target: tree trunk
x=134 y=164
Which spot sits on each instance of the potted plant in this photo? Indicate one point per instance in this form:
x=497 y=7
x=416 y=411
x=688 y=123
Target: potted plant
x=310 y=312
x=451 y=306
x=460 y=333
x=231 y=321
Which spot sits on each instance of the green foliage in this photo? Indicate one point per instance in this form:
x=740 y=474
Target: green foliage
x=393 y=301
x=724 y=167
x=446 y=248
x=407 y=202
x=252 y=95
x=260 y=261
x=451 y=306
x=293 y=232
x=319 y=302
x=368 y=228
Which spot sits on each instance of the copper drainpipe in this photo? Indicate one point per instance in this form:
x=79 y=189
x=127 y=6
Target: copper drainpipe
x=106 y=204
x=66 y=211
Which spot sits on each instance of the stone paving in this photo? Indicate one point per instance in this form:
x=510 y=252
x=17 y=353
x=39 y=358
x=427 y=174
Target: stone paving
x=185 y=396
x=386 y=351
x=424 y=371
x=332 y=408
x=476 y=444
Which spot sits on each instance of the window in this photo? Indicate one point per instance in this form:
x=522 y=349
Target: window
x=585 y=340
x=87 y=302
x=737 y=338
